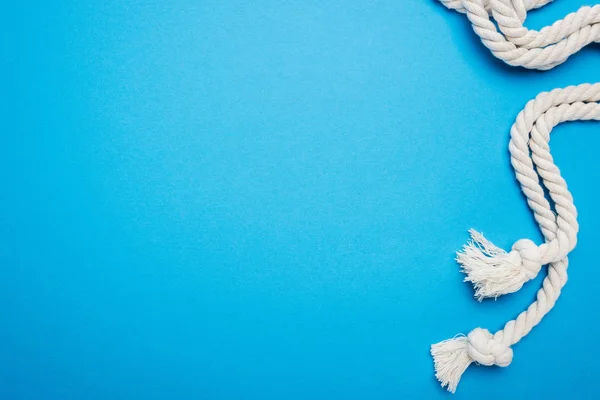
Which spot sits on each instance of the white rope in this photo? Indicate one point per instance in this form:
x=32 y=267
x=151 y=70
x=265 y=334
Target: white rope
x=493 y=271
x=519 y=46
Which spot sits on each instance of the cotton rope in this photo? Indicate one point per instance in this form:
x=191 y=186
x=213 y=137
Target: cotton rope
x=491 y=270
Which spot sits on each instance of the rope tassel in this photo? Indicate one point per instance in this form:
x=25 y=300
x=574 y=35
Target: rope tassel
x=452 y=357
x=451 y=360
x=494 y=272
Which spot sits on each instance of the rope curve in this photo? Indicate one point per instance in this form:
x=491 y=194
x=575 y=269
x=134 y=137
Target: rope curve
x=493 y=271
x=519 y=46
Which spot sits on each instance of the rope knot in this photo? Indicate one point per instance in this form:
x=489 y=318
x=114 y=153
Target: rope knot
x=452 y=357
x=495 y=272
x=487 y=350
x=529 y=257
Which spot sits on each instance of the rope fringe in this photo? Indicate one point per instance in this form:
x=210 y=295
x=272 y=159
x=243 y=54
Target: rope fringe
x=451 y=360
x=492 y=271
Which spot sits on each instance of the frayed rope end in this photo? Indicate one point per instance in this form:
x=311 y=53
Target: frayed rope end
x=492 y=271
x=451 y=359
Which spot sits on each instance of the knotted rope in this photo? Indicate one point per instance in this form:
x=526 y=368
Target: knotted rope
x=493 y=271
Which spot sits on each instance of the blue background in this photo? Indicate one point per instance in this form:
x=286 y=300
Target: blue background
x=262 y=200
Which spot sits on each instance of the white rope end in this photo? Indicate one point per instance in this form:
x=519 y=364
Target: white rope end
x=492 y=271
x=451 y=359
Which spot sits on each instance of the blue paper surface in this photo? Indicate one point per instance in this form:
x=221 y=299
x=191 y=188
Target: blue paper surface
x=262 y=200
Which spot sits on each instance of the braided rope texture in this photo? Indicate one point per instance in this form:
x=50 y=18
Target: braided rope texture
x=493 y=271
x=516 y=45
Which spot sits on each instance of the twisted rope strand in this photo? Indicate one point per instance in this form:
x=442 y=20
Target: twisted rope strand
x=522 y=6
x=493 y=271
x=541 y=57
